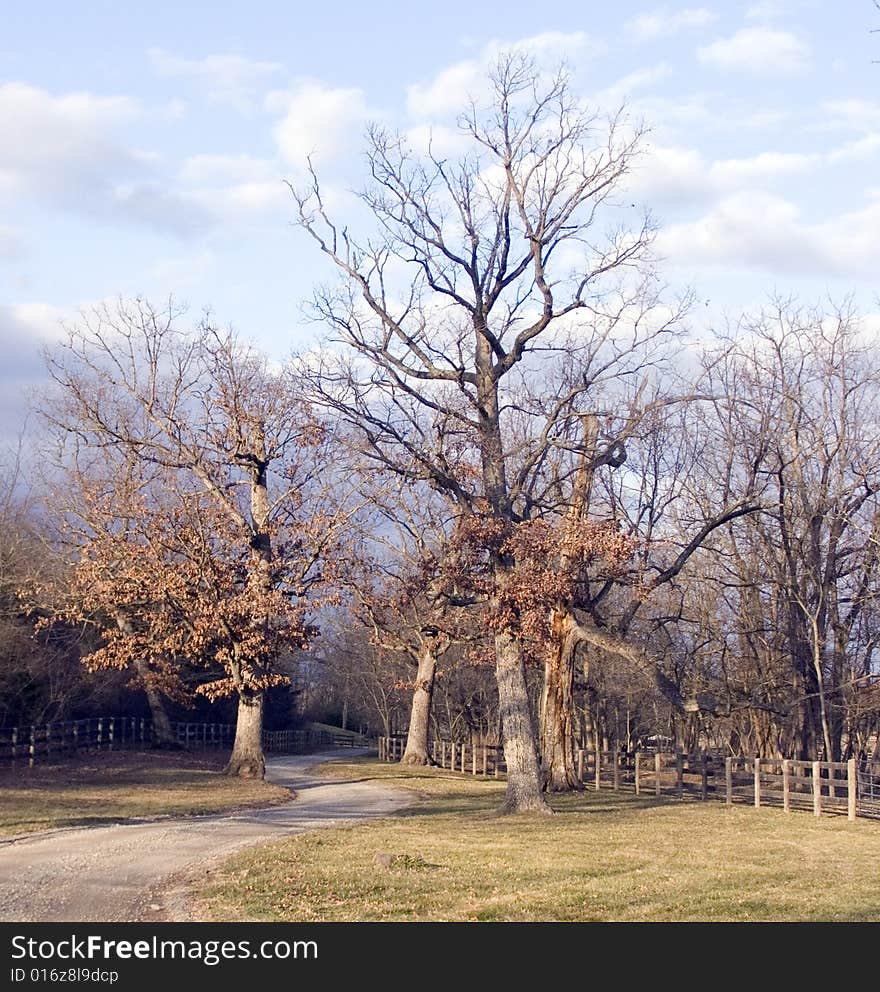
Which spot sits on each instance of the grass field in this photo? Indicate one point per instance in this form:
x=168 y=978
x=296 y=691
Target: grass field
x=104 y=788
x=604 y=856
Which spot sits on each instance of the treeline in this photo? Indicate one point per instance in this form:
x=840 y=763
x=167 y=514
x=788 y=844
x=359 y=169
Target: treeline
x=511 y=495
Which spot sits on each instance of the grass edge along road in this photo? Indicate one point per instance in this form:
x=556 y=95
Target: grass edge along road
x=604 y=856
x=104 y=787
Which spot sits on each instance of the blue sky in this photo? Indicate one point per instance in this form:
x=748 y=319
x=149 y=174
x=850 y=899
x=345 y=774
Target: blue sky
x=143 y=148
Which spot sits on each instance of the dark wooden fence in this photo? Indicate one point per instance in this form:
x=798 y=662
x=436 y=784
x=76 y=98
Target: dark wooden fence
x=848 y=788
x=46 y=741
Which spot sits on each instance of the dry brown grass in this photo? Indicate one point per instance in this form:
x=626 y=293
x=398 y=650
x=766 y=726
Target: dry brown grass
x=604 y=856
x=104 y=788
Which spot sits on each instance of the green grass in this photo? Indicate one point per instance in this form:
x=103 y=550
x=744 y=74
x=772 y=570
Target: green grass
x=105 y=788
x=604 y=856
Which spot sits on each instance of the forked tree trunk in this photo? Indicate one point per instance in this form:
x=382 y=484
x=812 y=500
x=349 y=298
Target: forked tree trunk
x=246 y=760
x=524 y=792
x=558 y=761
x=416 y=751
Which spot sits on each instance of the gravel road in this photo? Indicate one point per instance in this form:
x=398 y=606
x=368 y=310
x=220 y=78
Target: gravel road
x=140 y=871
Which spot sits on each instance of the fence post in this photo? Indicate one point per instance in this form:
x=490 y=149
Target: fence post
x=757 y=783
x=598 y=769
x=704 y=778
x=728 y=781
x=100 y=731
x=14 y=743
x=658 y=764
x=679 y=774
x=637 y=770
x=851 y=789
x=485 y=761
x=786 y=786
x=112 y=730
x=817 y=788
x=32 y=749
x=616 y=771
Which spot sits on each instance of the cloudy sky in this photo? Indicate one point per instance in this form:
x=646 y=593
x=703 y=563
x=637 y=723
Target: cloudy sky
x=144 y=147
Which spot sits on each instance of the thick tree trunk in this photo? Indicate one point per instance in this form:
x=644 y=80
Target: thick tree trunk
x=524 y=792
x=558 y=760
x=246 y=760
x=416 y=752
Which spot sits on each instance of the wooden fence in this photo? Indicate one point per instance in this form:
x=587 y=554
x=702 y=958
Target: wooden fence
x=42 y=742
x=302 y=741
x=842 y=787
x=48 y=740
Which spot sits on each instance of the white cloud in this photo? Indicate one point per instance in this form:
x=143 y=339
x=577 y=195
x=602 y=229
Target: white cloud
x=758 y=231
x=235 y=187
x=862 y=148
x=438 y=139
x=44 y=138
x=319 y=121
x=664 y=23
x=858 y=115
x=449 y=91
x=766 y=165
x=230 y=79
x=619 y=91
x=214 y=169
x=678 y=176
x=675 y=175
x=670 y=176
x=151 y=204
x=760 y=50
x=38 y=321
x=453 y=87
x=768 y=10
x=63 y=151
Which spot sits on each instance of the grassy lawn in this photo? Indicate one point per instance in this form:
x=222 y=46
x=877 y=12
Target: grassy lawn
x=103 y=788
x=604 y=856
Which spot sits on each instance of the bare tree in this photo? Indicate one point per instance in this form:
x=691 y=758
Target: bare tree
x=800 y=577
x=485 y=312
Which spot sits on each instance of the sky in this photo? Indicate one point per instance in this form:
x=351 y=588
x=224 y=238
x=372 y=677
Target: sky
x=144 y=148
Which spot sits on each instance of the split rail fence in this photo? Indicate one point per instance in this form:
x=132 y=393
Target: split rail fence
x=42 y=742
x=843 y=787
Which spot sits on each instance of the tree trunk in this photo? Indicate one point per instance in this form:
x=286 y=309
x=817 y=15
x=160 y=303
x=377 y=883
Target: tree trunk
x=246 y=760
x=163 y=735
x=524 y=792
x=558 y=761
x=416 y=752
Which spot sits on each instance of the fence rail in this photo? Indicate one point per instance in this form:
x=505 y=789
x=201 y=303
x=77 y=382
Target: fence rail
x=847 y=788
x=42 y=742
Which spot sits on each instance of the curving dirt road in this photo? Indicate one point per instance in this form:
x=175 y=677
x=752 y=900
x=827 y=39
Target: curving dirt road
x=139 y=871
